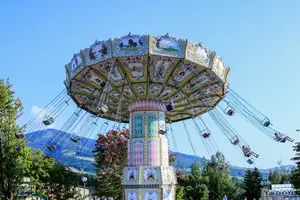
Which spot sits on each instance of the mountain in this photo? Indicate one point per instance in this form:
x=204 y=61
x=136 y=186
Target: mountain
x=79 y=155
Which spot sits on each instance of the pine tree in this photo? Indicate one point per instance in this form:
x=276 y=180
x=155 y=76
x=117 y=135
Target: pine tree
x=252 y=184
x=15 y=157
x=295 y=179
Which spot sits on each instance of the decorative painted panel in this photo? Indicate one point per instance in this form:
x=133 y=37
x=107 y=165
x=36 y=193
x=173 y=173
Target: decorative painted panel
x=130 y=45
x=184 y=71
x=75 y=65
x=151 y=196
x=161 y=67
x=219 y=68
x=111 y=69
x=209 y=101
x=99 y=51
x=140 y=89
x=150 y=175
x=198 y=53
x=135 y=68
x=138 y=153
x=132 y=195
x=153 y=153
x=91 y=76
x=132 y=175
x=167 y=45
x=138 y=126
x=199 y=81
x=152 y=125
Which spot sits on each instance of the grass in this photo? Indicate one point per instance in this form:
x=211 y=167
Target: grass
x=169 y=49
x=130 y=49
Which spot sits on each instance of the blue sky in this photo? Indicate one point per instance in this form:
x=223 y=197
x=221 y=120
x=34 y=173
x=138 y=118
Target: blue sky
x=259 y=40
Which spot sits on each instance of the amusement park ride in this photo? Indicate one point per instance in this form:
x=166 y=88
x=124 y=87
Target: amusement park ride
x=150 y=82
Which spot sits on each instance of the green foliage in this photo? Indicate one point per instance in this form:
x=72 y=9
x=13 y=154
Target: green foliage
x=295 y=178
x=179 y=193
x=210 y=181
x=196 y=188
x=61 y=182
x=236 y=191
x=279 y=176
x=252 y=184
x=15 y=157
x=17 y=161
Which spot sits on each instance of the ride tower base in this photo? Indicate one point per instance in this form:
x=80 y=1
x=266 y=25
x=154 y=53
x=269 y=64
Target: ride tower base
x=148 y=175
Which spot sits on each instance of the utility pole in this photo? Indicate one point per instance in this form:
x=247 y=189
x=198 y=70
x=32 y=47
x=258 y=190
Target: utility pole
x=84 y=179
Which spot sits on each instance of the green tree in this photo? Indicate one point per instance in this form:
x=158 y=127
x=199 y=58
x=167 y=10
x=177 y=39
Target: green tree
x=236 y=191
x=217 y=174
x=39 y=171
x=252 y=184
x=61 y=183
x=275 y=177
x=295 y=178
x=15 y=157
x=179 y=193
x=196 y=188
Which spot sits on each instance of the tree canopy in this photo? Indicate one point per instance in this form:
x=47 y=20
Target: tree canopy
x=295 y=178
x=252 y=184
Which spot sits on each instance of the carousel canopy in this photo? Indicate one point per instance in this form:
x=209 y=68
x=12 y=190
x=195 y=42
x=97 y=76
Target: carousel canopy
x=107 y=77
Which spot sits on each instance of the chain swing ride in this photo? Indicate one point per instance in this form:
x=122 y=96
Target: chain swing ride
x=148 y=82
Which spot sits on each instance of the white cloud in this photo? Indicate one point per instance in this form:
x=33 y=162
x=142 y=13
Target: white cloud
x=35 y=110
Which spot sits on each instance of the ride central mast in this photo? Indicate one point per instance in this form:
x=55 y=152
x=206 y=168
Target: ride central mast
x=148 y=175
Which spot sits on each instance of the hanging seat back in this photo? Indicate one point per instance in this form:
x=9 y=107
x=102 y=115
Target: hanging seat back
x=229 y=110
x=162 y=132
x=235 y=140
x=170 y=107
x=75 y=139
x=250 y=161
x=51 y=147
x=265 y=122
x=206 y=135
x=48 y=120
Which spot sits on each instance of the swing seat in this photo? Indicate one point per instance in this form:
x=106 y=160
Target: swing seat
x=250 y=161
x=20 y=136
x=162 y=132
x=266 y=122
x=231 y=112
x=75 y=139
x=48 y=120
x=51 y=147
x=235 y=140
x=246 y=150
x=206 y=135
x=170 y=107
x=279 y=137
